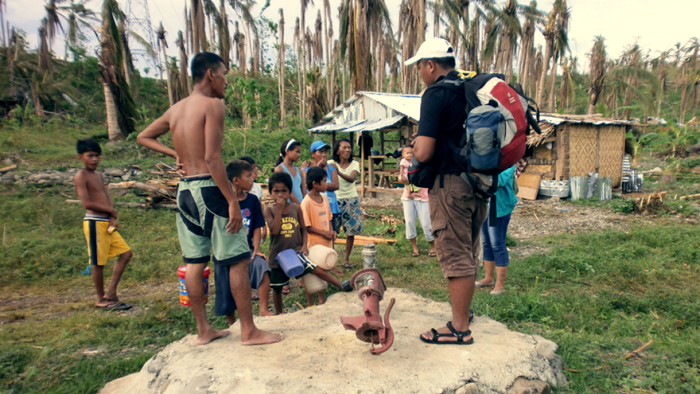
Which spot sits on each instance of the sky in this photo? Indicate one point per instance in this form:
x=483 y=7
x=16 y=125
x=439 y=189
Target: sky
x=656 y=24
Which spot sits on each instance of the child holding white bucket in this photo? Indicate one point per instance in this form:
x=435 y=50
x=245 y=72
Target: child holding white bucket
x=318 y=218
x=288 y=232
x=240 y=174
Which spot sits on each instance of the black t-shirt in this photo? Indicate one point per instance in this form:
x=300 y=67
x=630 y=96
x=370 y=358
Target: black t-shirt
x=442 y=117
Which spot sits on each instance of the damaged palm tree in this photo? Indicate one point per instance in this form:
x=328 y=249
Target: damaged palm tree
x=370 y=288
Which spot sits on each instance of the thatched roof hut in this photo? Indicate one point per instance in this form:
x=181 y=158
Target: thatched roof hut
x=574 y=145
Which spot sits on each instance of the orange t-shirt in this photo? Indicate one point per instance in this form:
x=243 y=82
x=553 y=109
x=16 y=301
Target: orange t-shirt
x=317 y=216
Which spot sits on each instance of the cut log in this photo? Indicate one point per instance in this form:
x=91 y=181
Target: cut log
x=8 y=168
x=133 y=204
x=361 y=240
x=143 y=186
x=690 y=196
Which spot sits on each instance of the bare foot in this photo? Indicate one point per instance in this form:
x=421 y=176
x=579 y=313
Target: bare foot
x=444 y=330
x=266 y=312
x=211 y=335
x=105 y=303
x=260 y=337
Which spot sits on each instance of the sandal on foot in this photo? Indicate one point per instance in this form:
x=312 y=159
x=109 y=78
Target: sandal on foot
x=116 y=306
x=460 y=335
x=255 y=296
x=347 y=265
x=285 y=290
x=432 y=254
x=479 y=285
x=415 y=254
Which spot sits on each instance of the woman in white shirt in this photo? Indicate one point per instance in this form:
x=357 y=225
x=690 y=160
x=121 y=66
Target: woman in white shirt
x=349 y=215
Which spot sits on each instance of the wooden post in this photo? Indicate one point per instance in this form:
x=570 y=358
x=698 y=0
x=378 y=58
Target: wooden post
x=332 y=142
x=362 y=170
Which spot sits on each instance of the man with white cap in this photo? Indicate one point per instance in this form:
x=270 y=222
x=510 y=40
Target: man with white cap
x=456 y=213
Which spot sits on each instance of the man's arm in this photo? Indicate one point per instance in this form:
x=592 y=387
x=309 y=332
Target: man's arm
x=149 y=136
x=213 y=134
x=431 y=107
x=423 y=148
x=80 y=184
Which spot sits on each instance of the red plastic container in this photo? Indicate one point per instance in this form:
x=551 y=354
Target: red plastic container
x=184 y=299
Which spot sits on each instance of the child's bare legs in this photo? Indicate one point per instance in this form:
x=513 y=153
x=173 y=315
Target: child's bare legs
x=240 y=289
x=309 y=298
x=432 y=248
x=327 y=276
x=98 y=280
x=414 y=244
x=264 y=294
x=195 y=291
x=231 y=318
x=117 y=275
x=277 y=300
x=321 y=297
x=348 y=249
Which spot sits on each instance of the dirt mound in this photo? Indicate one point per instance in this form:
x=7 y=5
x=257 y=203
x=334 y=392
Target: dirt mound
x=319 y=356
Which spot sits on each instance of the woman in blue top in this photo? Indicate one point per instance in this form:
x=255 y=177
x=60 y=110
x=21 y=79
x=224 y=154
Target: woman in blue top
x=289 y=154
x=494 y=238
x=319 y=152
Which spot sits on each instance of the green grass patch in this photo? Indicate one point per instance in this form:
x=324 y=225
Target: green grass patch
x=598 y=295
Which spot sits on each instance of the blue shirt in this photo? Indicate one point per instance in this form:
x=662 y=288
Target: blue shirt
x=296 y=183
x=505 y=195
x=252 y=216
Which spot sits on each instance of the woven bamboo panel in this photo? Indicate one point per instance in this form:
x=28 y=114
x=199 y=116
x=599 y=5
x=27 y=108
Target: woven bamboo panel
x=611 y=152
x=583 y=149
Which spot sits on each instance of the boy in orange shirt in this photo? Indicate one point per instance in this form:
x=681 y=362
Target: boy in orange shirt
x=317 y=217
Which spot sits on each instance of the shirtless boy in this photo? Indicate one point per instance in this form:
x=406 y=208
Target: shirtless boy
x=210 y=219
x=100 y=226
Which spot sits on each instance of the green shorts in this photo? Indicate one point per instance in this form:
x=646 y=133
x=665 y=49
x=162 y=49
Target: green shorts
x=278 y=279
x=201 y=224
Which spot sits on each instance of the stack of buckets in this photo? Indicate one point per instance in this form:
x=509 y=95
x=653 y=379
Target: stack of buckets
x=184 y=298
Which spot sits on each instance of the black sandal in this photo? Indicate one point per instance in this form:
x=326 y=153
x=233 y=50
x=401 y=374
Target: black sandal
x=460 y=335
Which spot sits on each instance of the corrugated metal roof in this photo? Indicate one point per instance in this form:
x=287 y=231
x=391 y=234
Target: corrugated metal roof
x=378 y=125
x=407 y=104
x=335 y=127
x=361 y=125
x=582 y=119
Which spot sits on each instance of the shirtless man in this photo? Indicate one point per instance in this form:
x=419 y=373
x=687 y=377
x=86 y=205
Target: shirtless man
x=100 y=226
x=210 y=219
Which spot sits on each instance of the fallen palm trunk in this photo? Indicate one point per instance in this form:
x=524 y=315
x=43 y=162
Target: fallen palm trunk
x=8 y=168
x=133 y=204
x=143 y=186
x=361 y=239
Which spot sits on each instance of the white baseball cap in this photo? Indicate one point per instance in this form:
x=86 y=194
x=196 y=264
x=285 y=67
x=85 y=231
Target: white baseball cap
x=433 y=48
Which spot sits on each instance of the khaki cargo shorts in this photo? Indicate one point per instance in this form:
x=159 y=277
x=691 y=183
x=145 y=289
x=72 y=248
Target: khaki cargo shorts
x=456 y=216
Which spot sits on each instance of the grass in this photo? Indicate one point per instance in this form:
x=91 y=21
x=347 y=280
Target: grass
x=597 y=295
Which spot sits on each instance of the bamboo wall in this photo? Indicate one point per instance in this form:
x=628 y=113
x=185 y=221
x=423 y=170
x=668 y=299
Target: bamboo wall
x=598 y=149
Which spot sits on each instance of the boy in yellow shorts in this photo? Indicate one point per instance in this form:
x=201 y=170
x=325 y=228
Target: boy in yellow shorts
x=100 y=226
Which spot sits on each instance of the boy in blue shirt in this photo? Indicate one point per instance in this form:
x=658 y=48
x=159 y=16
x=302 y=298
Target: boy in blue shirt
x=241 y=175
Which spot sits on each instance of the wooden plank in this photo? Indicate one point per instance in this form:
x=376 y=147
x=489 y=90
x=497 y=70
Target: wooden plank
x=361 y=240
x=528 y=185
x=527 y=193
x=561 y=155
x=529 y=180
x=8 y=168
x=385 y=190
